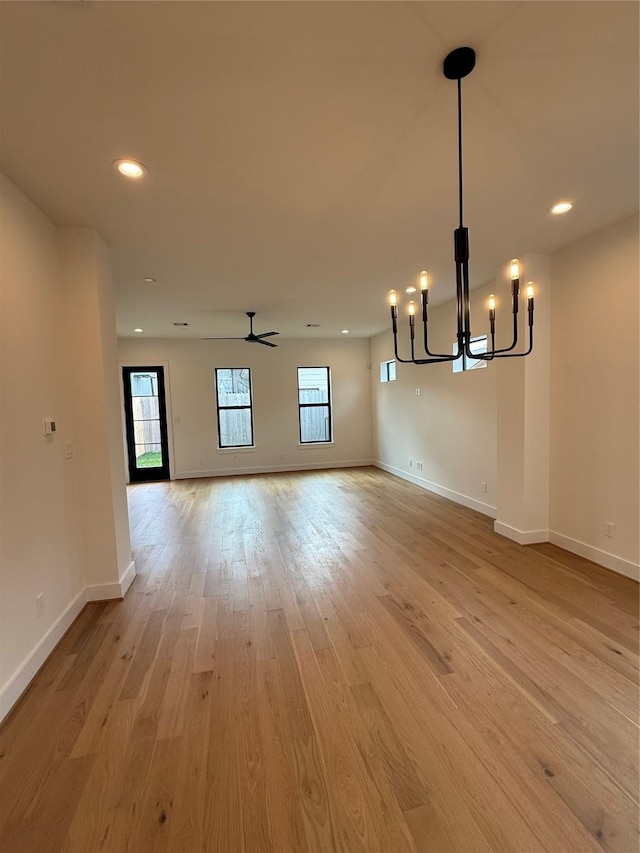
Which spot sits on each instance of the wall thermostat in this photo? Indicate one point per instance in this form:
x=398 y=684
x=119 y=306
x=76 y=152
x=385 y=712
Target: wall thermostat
x=48 y=426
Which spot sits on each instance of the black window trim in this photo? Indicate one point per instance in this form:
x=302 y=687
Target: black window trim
x=230 y=408
x=328 y=405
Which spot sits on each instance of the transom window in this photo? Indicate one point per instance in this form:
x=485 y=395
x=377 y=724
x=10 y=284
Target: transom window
x=388 y=371
x=234 y=407
x=314 y=404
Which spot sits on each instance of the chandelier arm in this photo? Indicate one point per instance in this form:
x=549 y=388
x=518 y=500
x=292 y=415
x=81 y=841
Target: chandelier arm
x=520 y=354
x=398 y=357
x=506 y=352
x=425 y=319
x=493 y=352
x=514 y=343
x=419 y=360
x=441 y=356
x=498 y=352
x=394 y=328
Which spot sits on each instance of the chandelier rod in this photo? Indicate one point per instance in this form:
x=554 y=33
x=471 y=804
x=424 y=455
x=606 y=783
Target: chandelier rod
x=460 y=194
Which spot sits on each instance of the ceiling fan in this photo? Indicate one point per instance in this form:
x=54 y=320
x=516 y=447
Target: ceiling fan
x=251 y=338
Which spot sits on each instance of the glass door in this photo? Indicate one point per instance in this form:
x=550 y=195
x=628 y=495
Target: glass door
x=145 y=412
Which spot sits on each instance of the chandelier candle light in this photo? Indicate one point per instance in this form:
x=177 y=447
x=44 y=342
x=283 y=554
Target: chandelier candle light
x=458 y=64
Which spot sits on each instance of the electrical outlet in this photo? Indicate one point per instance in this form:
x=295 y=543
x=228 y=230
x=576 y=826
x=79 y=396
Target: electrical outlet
x=419 y=466
x=483 y=488
x=610 y=529
x=418 y=392
x=411 y=463
x=40 y=604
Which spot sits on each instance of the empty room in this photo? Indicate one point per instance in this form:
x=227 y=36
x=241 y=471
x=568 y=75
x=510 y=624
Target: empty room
x=319 y=407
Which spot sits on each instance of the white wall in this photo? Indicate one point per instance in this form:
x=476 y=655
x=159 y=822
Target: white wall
x=522 y=511
x=40 y=545
x=594 y=397
x=93 y=384
x=451 y=427
x=47 y=484
x=189 y=372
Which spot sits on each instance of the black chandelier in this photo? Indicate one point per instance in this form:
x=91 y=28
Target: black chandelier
x=457 y=65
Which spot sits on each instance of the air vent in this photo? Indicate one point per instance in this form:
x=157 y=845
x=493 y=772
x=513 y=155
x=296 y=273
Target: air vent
x=182 y=325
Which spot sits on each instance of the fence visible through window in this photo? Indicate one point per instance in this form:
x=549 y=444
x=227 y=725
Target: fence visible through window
x=314 y=404
x=234 y=407
x=146 y=420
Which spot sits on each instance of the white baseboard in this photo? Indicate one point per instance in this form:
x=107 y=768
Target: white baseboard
x=109 y=591
x=603 y=558
x=273 y=469
x=22 y=677
x=522 y=537
x=456 y=497
x=28 y=669
x=127 y=579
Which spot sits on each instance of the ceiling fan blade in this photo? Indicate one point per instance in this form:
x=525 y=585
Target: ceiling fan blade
x=251 y=338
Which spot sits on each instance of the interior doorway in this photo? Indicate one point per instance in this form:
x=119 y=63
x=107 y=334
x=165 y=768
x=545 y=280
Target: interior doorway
x=145 y=411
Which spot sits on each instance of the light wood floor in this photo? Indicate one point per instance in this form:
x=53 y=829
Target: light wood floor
x=332 y=661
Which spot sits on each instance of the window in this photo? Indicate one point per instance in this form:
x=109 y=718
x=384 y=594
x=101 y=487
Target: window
x=388 y=371
x=233 y=401
x=476 y=345
x=314 y=404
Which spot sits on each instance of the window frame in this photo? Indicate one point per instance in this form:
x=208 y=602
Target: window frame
x=386 y=370
x=234 y=408
x=328 y=405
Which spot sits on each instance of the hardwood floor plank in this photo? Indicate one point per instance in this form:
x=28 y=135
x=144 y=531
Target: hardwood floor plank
x=408 y=788
x=428 y=830
x=144 y=655
x=223 y=815
x=287 y=784
x=52 y=807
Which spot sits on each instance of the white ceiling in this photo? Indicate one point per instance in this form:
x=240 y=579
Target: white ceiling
x=301 y=155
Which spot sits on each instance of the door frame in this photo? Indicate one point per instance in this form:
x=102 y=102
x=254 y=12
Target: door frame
x=162 y=366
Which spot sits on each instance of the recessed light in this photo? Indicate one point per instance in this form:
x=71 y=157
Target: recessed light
x=138 y=331
x=561 y=207
x=150 y=280
x=345 y=331
x=130 y=168
x=411 y=290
